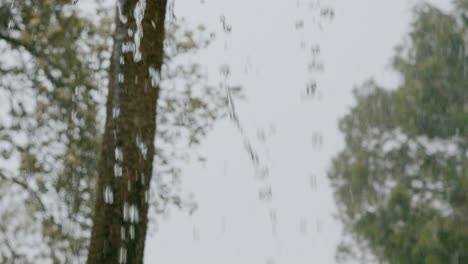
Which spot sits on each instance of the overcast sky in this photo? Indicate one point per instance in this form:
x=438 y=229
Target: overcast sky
x=264 y=52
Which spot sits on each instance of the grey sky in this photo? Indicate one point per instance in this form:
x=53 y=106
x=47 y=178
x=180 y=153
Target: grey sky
x=263 y=50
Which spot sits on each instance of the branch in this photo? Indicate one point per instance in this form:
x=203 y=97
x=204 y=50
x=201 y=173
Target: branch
x=26 y=187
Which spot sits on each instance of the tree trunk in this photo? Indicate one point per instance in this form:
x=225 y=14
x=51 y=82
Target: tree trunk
x=126 y=162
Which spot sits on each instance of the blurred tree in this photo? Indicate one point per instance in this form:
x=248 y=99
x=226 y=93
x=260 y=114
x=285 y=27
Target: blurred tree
x=126 y=163
x=401 y=183
x=53 y=73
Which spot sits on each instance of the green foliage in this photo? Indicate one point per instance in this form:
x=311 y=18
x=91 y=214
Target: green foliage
x=401 y=183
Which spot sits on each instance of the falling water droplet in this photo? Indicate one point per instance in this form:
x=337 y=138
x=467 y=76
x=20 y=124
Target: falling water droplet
x=299 y=24
x=122 y=18
x=226 y=27
x=313 y=181
x=108 y=195
x=138 y=13
x=317 y=139
x=142 y=178
x=311 y=88
x=123 y=255
x=147 y=196
x=117 y=170
x=265 y=193
x=196 y=233
x=303 y=225
x=125 y=211
x=118 y=154
x=155 y=76
x=132 y=232
x=115 y=112
x=122 y=232
x=225 y=70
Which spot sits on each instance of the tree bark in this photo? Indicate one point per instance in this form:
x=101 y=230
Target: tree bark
x=126 y=162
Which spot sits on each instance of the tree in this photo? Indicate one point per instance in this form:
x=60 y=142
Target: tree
x=401 y=183
x=126 y=162
x=53 y=67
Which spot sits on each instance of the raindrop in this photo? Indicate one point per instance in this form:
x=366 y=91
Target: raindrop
x=315 y=65
x=299 y=24
x=133 y=214
x=303 y=226
x=315 y=50
x=138 y=13
x=313 y=181
x=122 y=232
x=118 y=154
x=155 y=76
x=125 y=211
x=120 y=78
x=114 y=132
x=74 y=117
x=225 y=70
x=123 y=255
x=226 y=27
x=311 y=88
x=271 y=129
x=273 y=216
x=265 y=194
x=196 y=233
x=143 y=150
x=318 y=226
x=132 y=232
x=122 y=18
x=128 y=47
x=261 y=136
x=170 y=11
x=317 y=139
x=117 y=170
x=122 y=60
x=142 y=179
x=327 y=12
x=115 y=112
x=302 y=44
x=108 y=195
x=263 y=172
